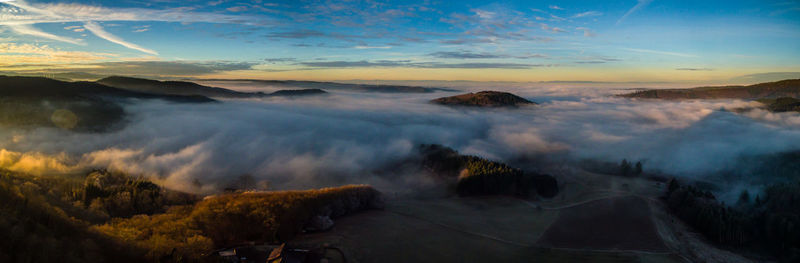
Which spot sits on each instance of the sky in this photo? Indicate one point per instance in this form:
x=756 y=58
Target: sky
x=606 y=41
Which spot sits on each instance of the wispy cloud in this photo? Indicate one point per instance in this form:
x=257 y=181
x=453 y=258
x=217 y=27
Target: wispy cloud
x=32 y=31
x=372 y=47
x=482 y=55
x=587 y=14
x=22 y=22
x=410 y=64
x=667 y=53
x=21 y=54
x=586 y=32
x=641 y=4
x=694 y=69
x=555 y=7
x=98 y=30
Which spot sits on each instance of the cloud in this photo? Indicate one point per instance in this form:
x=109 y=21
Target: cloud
x=694 y=69
x=279 y=60
x=482 y=55
x=372 y=47
x=30 y=30
x=98 y=31
x=346 y=138
x=587 y=14
x=65 y=13
x=21 y=22
x=639 y=5
x=463 y=55
x=409 y=64
x=552 y=29
x=22 y=54
x=657 y=52
x=555 y=7
x=586 y=31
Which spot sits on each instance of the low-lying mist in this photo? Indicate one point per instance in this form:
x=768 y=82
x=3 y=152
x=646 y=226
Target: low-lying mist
x=348 y=137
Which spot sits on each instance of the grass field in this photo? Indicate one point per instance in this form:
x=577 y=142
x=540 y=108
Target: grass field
x=620 y=223
x=486 y=229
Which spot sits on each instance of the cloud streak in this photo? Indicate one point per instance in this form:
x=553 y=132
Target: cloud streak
x=639 y=5
x=32 y=31
x=98 y=31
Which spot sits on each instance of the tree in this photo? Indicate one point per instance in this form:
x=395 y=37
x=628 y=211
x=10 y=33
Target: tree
x=637 y=170
x=625 y=168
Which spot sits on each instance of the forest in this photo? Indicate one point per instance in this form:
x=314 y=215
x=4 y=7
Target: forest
x=479 y=176
x=768 y=222
x=111 y=217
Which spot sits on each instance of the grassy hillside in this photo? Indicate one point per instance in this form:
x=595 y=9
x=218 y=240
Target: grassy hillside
x=784 y=88
x=484 y=99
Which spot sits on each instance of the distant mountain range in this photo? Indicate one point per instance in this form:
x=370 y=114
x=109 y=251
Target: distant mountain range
x=339 y=86
x=81 y=106
x=484 y=99
x=185 y=88
x=96 y=106
x=783 y=88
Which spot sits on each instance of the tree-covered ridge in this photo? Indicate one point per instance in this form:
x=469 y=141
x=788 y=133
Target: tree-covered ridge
x=484 y=99
x=31 y=102
x=783 y=88
x=768 y=222
x=111 y=217
x=782 y=104
x=478 y=176
x=40 y=221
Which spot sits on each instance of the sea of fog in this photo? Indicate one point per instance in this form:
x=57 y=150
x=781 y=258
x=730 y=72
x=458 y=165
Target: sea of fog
x=349 y=137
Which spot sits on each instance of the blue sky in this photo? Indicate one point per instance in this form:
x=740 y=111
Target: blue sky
x=466 y=40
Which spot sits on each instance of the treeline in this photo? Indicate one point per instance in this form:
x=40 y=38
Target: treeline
x=770 y=222
x=187 y=233
x=39 y=223
x=625 y=168
x=119 y=195
x=111 y=217
x=478 y=176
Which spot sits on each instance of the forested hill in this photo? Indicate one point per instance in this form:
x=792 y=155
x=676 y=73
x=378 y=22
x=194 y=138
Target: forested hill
x=80 y=106
x=484 y=99
x=783 y=88
x=173 y=87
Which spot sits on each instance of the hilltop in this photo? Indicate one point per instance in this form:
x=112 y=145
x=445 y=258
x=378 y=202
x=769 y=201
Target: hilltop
x=783 y=88
x=297 y=92
x=81 y=106
x=186 y=88
x=173 y=87
x=484 y=99
x=338 y=86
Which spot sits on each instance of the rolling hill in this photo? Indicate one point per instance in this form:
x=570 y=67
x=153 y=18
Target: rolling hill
x=783 y=88
x=80 y=106
x=484 y=99
x=173 y=88
x=185 y=88
x=293 y=84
